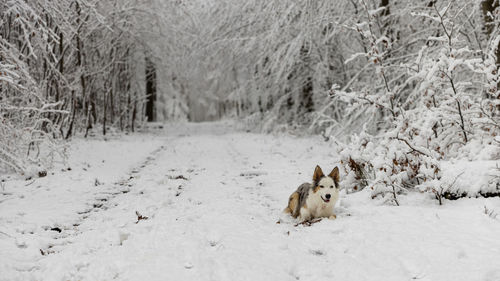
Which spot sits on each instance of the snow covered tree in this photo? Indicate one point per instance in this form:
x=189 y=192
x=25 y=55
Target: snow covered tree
x=67 y=67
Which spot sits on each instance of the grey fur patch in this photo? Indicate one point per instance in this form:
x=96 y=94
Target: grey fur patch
x=303 y=191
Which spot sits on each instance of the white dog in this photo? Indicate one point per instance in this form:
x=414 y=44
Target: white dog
x=315 y=200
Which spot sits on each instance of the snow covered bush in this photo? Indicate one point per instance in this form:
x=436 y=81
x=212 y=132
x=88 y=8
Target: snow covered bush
x=438 y=106
x=387 y=165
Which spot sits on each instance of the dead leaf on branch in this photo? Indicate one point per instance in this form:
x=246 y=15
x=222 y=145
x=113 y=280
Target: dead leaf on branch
x=140 y=217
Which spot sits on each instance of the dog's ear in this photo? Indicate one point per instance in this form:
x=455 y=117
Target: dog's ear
x=318 y=174
x=335 y=174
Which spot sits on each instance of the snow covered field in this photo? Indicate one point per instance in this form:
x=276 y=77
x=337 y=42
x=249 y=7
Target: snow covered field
x=202 y=202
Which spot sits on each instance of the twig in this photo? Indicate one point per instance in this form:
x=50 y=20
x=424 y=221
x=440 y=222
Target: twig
x=395 y=199
x=490 y=213
x=1 y=232
x=140 y=217
x=410 y=146
x=439 y=194
x=30 y=183
x=308 y=223
x=495 y=123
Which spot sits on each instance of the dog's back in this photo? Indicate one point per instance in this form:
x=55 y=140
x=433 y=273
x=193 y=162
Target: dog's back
x=298 y=199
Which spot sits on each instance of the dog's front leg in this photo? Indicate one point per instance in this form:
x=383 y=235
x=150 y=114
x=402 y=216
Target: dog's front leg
x=305 y=214
x=332 y=217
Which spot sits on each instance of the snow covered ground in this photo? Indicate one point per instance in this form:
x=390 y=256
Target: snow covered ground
x=212 y=197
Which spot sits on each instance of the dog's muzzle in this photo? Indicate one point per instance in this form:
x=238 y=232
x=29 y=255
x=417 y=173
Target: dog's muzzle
x=327 y=199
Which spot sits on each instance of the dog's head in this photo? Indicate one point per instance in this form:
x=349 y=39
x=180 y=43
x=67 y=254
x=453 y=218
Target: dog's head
x=327 y=187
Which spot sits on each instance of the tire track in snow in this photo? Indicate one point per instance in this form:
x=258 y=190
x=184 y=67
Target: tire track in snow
x=195 y=217
x=101 y=203
x=252 y=178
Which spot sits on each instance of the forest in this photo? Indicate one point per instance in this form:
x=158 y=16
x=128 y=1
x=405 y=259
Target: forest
x=401 y=84
x=162 y=140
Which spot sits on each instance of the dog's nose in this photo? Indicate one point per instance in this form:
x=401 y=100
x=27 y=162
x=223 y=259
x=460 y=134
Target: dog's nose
x=328 y=196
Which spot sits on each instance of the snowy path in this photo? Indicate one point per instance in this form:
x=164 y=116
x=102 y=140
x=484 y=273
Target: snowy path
x=213 y=196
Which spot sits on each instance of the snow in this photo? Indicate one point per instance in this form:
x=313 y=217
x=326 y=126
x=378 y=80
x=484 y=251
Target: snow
x=471 y=177
x=213 y=196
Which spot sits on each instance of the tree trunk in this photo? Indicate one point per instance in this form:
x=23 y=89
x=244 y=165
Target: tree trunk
x=488 y=8
x=305 y=98
x=70 y=129
x=150 y=90
x=134 y=113
x=104 y=114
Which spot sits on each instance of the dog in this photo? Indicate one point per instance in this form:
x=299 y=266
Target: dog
x=316 y=199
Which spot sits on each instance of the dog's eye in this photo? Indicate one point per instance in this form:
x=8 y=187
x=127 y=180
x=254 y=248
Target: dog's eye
x=331 y=186
x=321 y=186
